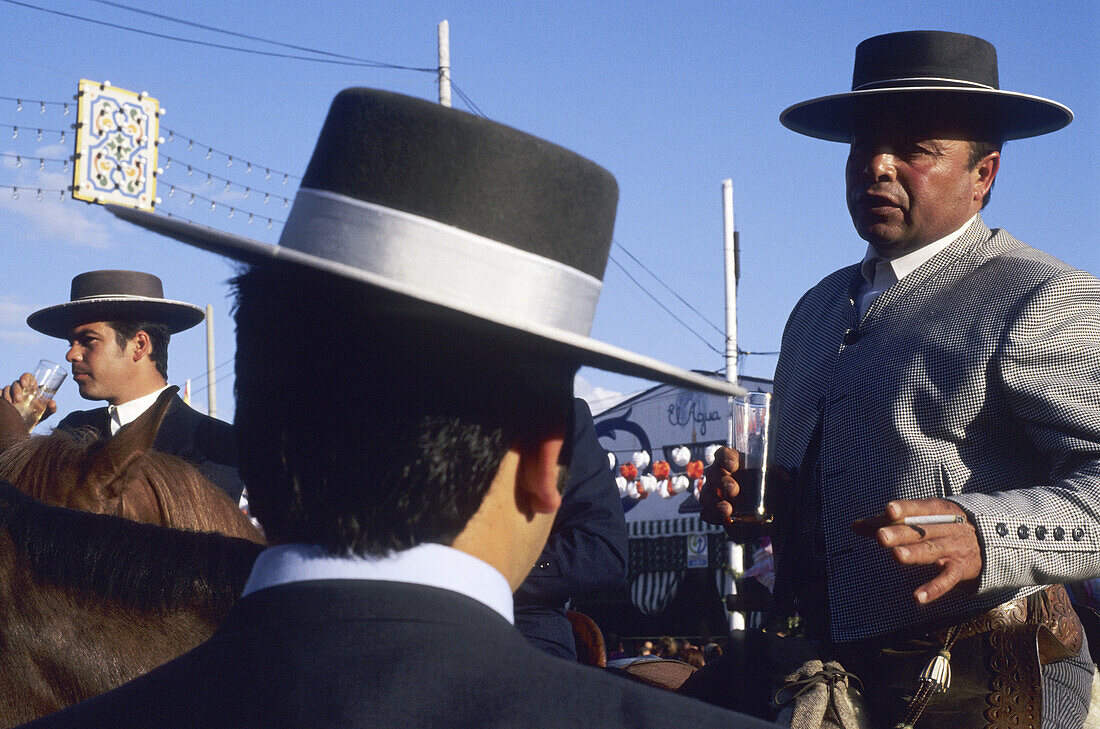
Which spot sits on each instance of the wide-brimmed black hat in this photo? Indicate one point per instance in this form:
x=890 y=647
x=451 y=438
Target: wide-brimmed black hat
x=927 y=75
x=115 y=296
x=475 y=218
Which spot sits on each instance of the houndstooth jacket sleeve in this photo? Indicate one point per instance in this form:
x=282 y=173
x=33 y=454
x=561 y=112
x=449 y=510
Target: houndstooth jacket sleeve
x=975 y=378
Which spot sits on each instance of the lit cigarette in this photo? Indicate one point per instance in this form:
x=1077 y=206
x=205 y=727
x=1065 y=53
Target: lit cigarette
x=933 y=519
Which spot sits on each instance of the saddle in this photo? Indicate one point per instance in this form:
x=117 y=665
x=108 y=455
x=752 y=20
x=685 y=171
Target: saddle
x=995 y=660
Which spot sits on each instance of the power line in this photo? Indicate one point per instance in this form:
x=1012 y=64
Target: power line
x=376 y=64
x=670 y=289
x=221 y=46
x=666 y=309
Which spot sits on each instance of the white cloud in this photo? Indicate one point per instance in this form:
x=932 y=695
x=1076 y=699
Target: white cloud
x=13 y=324
x=598 y=398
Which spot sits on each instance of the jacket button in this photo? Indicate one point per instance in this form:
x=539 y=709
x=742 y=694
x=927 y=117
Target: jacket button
x=1078 y=534
x=1001 y=530
x=1059 y=534
x=851 y=337
x=1021 y=532
x=1040 y=533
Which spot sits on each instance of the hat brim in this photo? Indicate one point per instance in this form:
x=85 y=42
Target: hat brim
x=556 y=342
x=1006 y=114
x=60 y=319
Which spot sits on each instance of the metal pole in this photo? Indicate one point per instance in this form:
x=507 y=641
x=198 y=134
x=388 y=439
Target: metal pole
x=731 y=288
x=737 y=551
x=444 y=64
x=211 y=395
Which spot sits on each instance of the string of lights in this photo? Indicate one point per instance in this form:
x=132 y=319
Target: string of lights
x=172 y=164
x=169 y=136
x=39 y=192
x=232 y=210
x=39 y=131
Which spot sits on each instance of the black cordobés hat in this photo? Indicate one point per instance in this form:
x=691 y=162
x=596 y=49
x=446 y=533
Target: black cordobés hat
x=115 y=296
x=931 y=75
x=476 y=219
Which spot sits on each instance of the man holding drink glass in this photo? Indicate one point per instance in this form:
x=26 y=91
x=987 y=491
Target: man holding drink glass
x=118 y=325
x=938 y=411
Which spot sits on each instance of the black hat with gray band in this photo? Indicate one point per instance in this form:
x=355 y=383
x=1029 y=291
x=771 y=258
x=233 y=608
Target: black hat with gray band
x=115 y=296
x=929 y=75
x=451 y=209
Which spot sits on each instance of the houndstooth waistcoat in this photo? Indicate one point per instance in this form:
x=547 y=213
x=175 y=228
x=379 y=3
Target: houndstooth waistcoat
x=976 y=378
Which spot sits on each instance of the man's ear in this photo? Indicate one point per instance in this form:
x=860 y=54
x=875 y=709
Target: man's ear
x=143 y=346
x=987 y=170
x=537 y=474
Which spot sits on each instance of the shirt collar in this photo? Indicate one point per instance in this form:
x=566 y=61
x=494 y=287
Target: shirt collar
x=875 y=265
x=433 y=565
x=129 y=411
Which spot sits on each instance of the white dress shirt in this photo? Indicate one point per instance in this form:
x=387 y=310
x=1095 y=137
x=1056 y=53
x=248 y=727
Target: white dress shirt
x=128 y=412
x=433 y=565
x=881 y=273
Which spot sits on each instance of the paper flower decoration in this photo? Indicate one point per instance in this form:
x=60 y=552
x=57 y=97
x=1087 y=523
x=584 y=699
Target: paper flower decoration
x=641 y=460
x=681 y=455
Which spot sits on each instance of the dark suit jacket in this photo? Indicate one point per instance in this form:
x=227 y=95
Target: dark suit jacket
x=353 y=653
x=587 y=549
x=208 y=443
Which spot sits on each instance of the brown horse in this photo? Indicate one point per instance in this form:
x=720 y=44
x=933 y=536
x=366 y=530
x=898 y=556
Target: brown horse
x=90 y=601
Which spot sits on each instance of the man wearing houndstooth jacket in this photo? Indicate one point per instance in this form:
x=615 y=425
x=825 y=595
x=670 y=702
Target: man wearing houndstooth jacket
x=954 y=372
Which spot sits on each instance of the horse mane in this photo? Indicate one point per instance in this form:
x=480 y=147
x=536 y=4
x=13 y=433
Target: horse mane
x=183 y=496
x=147 y=566
x=36 y=462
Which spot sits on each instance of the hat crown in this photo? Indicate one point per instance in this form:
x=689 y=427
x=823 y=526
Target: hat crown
x=925 y=58
x=94 y=284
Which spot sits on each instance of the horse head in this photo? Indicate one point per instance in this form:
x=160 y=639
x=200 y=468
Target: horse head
x=106 y=485
x=121 y=475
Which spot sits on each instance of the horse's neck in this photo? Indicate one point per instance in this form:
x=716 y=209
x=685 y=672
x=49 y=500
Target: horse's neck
x=89 y=645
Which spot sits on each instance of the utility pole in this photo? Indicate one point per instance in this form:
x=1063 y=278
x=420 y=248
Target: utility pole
x=211 y=396
x=730 y=241
x=444 y=64
x=736 y=551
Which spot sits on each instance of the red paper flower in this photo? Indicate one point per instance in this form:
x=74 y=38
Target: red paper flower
x=695 y=470
x=661 y=470
x=628 y=471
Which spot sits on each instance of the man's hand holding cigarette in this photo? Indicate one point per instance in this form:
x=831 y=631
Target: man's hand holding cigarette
x=928 y=531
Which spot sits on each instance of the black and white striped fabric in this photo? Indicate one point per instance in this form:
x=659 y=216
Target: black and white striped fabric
x=976 y=378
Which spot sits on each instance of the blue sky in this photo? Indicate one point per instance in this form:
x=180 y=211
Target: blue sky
x=671 y=99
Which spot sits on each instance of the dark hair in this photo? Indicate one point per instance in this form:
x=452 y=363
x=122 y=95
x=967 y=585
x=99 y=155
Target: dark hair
x=158 y=337
x=979 y=150
x=367 y=424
